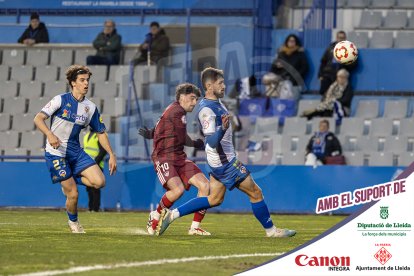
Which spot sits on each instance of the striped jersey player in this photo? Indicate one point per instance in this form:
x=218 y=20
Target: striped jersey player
x=225 y=170
x=66 y=160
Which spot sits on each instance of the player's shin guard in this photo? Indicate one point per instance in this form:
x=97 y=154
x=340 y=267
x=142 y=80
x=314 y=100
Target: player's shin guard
x=194 y=205
x=261 y=212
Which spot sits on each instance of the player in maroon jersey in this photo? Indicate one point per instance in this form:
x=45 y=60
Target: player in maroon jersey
x=175 y=172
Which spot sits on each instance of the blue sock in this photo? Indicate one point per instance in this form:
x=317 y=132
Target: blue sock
x=72 y=217
x=261 y=212
x=194 y=205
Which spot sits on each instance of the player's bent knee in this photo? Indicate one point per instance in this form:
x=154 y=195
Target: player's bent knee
x=100 y=182
x=179 y=190
x=215 y=200
x=176 y=192
x=204 y=188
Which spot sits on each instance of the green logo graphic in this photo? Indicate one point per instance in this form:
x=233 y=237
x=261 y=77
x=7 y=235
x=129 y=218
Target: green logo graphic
x=384 y=212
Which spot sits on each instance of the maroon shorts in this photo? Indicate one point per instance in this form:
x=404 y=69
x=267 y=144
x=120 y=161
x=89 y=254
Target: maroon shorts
x=166 y=170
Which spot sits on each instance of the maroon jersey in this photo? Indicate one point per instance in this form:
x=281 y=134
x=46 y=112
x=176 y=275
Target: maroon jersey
x=170 y=134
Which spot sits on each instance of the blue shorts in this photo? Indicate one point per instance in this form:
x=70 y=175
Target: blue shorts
x=62 y=168
x=231 y=174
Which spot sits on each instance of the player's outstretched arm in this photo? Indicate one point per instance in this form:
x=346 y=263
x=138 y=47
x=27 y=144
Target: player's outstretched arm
x=104 y=141
x=198 y=144
x=147 y=133
x=39 y=121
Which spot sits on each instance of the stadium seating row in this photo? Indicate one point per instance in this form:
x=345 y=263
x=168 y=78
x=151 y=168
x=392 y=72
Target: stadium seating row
x=396 y=108
x=61 y=57
x=17 y=106
x=392 y=20
x=22 y=73
x=364 y=122
x=298 y=158
x=382 y=39
x=369 y=107
x=350 y=126
x=37 y=89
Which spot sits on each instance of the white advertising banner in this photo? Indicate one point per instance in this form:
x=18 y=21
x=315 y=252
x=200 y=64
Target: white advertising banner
x=377 y=240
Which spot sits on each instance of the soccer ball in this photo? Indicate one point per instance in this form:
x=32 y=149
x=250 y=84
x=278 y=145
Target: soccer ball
x=345 y=52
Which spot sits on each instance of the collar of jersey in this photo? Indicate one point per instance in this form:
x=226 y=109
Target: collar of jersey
x=211 y=100
x=180 y=106
x=77 y=99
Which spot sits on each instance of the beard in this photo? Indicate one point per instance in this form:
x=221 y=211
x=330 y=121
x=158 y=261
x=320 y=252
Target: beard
x=219 y=94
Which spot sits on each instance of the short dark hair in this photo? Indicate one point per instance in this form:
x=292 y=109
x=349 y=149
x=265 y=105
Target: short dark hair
x=155 y=23
x=74 y=70
x=295 y=37
x=185 y=89
x=34 y=15
x=341 y=32
x=210 y=73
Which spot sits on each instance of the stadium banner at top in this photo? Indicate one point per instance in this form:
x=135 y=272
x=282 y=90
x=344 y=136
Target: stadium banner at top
x=125 y=4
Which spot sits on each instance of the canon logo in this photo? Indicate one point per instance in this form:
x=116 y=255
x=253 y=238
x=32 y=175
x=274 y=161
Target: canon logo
x=304 y=260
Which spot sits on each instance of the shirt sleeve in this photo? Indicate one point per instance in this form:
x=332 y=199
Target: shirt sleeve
x=51 y=107
x=207 y=119
x=96 y=122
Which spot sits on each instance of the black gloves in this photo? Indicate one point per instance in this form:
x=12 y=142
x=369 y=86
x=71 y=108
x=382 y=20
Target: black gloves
x=146 y=132
x=199 y=144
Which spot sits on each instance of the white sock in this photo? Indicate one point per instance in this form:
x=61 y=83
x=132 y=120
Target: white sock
x=175 y=214
x=195 y=224
x=270 y=230
x=156 y=215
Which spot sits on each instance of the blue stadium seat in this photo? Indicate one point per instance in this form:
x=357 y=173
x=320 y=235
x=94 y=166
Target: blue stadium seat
x=253 y=107
x=281 y=108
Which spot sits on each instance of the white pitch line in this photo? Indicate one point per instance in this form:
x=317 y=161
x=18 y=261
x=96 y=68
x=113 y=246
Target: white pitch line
x=145 y=263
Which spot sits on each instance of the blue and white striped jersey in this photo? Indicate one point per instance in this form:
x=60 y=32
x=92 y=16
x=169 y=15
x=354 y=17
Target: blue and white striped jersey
x=209 y=116
x=68 y=118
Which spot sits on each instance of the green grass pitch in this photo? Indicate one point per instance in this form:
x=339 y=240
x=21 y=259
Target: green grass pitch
x=34 y=241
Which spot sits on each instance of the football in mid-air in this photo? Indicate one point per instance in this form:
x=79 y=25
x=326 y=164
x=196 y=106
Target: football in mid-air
x=345 y=52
